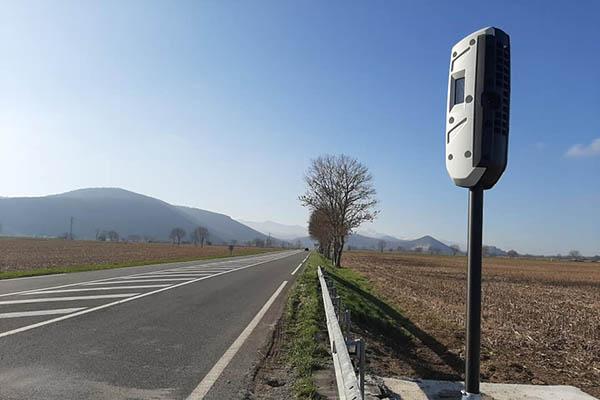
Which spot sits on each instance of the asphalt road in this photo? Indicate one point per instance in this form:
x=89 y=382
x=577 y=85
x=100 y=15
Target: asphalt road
x=173 y=331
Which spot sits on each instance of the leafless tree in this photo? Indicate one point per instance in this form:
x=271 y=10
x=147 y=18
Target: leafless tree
x=258 y=242
x=200 y=235
x=381 y=245
x=575 y=254
x=232 y=246
x=512 y=253
x=177 y=234
x=455 y=249
x=319 y=229
x=418 y=249
x=342 y=188
x=113 y=236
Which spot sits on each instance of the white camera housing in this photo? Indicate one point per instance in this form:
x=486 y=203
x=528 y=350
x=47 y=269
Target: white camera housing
x=478 y=109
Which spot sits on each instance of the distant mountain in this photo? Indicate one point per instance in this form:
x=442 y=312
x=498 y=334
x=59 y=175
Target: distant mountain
x=128 y=213
x=426 y=243
x=357 y=241
x=282 y=231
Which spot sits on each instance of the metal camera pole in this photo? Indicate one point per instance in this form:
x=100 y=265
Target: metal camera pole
x=476 y=140
x=473 y=323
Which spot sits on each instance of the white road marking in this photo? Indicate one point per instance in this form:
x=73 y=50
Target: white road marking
x=300 y=265
x=170 y=275
x=297 y=268
x=72 y=298
x=95 y=288
x=209 y=380
x=270 y=257
x=136 y=281
x=114 y=303
x=40 y=312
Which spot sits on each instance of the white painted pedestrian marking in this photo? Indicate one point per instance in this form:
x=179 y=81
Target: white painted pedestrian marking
x=114 y=303
x=209 y=380
x=136 y=281
x=72 y=298
x=91 y=289
x=39 y=312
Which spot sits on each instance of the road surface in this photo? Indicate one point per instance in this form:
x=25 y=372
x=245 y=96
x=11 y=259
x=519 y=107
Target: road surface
x=169 y=331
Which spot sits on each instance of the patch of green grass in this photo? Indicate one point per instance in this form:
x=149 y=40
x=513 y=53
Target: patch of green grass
x=95 y=267
x=367 y=309
x=304 y=320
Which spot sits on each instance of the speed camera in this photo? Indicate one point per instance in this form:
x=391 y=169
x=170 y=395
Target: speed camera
x=478 y=109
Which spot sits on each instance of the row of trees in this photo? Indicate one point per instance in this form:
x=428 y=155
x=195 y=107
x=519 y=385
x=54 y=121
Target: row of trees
x=199 y=235
x=340 y=195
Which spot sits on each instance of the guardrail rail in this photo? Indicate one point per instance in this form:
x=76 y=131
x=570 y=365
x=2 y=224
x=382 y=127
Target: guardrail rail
x=350 y=387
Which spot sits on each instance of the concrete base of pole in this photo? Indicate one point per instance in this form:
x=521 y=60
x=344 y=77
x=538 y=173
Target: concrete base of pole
x=470 y=396
x=425 y=389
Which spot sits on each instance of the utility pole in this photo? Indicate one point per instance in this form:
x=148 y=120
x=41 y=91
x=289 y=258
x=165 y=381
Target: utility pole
x=71 y=229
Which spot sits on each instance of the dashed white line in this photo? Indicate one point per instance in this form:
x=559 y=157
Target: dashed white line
x=40 y=312
x=72 y=298
x=209 y=380
x=297 y=268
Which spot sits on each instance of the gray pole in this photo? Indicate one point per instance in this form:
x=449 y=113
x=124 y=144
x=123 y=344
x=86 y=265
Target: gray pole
x=474 y=291
x=71 y=229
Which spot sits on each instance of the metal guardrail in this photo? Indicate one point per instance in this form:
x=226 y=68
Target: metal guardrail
x=349 y=386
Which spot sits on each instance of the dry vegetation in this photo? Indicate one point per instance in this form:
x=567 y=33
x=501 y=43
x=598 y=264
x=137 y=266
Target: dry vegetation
x=541 y=319
x=19 y=254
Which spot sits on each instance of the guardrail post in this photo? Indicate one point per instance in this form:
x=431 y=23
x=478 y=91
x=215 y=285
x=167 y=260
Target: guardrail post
x=347 y=324
x=361 y=365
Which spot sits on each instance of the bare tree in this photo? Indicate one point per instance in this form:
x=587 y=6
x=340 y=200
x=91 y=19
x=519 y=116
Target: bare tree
x=176 y=235
x=575 y=254
x=381 y=245
x=258 y=242
x=418 y=249
x=200 y=235
x=113 y=236
x=512 y=253
x=232 y=246
x=455 y=249
x=342 y=188
x=319 y=229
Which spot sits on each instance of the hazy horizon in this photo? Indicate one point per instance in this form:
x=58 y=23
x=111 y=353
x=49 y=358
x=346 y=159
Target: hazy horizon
x=221 y=106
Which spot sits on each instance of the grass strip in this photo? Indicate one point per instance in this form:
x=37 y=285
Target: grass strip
x=304 y=320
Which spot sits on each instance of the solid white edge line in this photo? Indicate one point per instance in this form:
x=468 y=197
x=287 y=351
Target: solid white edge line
x=275 y=255
x=38 y=313
x=114 y=303
x=209 y=380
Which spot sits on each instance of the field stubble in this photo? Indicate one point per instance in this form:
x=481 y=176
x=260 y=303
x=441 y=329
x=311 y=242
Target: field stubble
x=21 y=254
x=540 y=322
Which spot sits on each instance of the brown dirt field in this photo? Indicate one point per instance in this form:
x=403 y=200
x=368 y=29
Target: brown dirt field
x=21 y=254
x=540 y=322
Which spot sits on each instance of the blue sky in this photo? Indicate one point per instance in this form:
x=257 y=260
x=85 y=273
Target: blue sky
x=222 y=105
